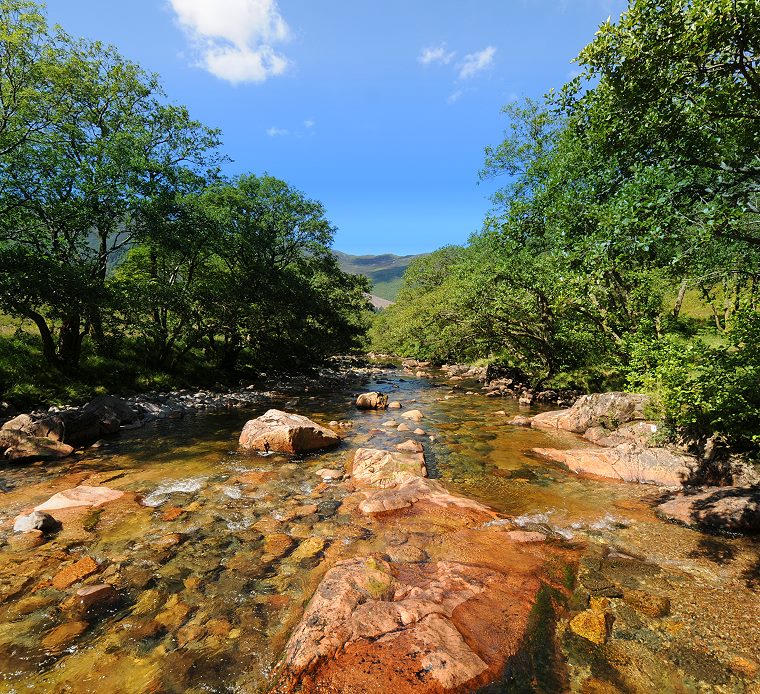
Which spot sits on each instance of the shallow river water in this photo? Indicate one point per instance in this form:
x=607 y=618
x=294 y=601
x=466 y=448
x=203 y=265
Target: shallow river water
x=216 y=563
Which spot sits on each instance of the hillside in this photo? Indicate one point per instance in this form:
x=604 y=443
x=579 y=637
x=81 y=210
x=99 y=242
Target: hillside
x=384 y=270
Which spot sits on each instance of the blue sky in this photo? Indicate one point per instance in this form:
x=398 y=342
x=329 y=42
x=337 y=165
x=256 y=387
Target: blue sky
x=381 y=110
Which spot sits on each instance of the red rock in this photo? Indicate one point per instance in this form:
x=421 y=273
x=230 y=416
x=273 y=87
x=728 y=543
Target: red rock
x=407 y=493
x=172 y=513
x=73 y=573
x=97 y=596
x=80 y=496
x=658 y=466
x=287 y=433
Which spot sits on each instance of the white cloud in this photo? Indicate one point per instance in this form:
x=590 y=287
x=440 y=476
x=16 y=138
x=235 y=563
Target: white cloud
x=235 y=39
x=455 y=96
x=277 y=132
x=437 y=54
x=309 y=124
x=474 y=63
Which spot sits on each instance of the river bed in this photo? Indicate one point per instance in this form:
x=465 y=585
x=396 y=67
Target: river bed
x=216 y=564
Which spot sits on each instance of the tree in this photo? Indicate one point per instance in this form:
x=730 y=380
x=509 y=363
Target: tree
x=81 y=189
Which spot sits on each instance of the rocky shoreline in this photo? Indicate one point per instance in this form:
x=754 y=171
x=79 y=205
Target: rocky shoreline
x=56 y=432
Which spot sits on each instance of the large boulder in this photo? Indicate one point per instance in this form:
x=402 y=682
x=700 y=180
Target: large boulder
x=609 y=410
x=74 y=427
x=372 y=401
x=19 y=447
x=285 y=432
x=658 y=466
x=734 y=509
x=367 y=619
x=109 y=407
x=377 y=468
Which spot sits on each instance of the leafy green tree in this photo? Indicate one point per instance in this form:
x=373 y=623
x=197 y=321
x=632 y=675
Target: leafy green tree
x=77 y=190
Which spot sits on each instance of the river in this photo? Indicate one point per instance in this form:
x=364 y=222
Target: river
x=216 y=564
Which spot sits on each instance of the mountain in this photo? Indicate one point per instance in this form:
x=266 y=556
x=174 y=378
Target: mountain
x=384 y=270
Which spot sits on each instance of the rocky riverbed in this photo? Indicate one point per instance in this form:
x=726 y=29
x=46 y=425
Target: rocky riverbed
x=429 y=551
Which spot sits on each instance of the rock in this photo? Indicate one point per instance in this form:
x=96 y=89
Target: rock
x=639 y=433
x=167 y=541
x=378 y=468
x=658 y=466
x=395 y=405
x=36 y=520
x=82 y=495
x=287 y=433
x=646 y=603
x=290 y=514
x=605 y=409
x=593 y=625
x=62 y=636
x=390 y=423
x=19 y=447
x=410 y=446
x=328 y=475
x=406 y=494
x=277 y=544
x=108 y=407
x=364 y=626
x=372 y=401
x=419 y=432
x=414 y=415
x=405 y=553
x=735 y=509
x=91 y=598
x=73 y=427
x=26 y=540
x=309 y=548
x=403 y=427
x=525 y=536
x=172 y=513
x=521 y=421
x=75 y=572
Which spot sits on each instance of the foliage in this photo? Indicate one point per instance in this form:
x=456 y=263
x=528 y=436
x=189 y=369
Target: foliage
x=117 y=229
x=628 y=194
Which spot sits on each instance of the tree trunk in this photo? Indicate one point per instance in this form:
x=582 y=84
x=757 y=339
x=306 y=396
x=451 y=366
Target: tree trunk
x=680 y=298
x=48 y=344
x=70 y=342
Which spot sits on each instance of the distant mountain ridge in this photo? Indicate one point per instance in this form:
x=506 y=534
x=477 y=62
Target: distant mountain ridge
x=385 y=270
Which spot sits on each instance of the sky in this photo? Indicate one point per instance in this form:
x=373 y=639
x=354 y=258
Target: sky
x=380 y=110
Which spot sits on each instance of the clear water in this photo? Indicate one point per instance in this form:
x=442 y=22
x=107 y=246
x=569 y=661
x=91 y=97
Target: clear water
x=211 y=610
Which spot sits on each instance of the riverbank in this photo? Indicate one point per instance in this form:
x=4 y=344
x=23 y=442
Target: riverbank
x=213 y=554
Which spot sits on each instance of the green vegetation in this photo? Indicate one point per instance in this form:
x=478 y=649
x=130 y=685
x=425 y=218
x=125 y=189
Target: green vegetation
x=624 y=248
x=124 y=249
x=384 y=271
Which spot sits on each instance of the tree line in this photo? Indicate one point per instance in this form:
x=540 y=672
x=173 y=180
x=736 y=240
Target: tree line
x=119 y=232
x=623 y=249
